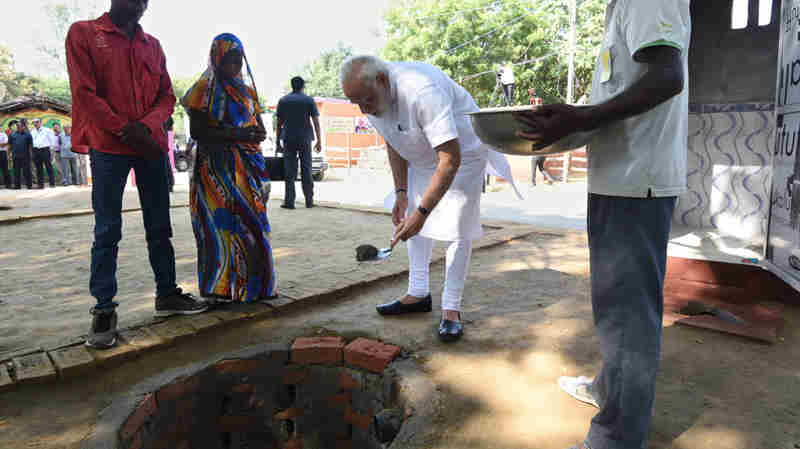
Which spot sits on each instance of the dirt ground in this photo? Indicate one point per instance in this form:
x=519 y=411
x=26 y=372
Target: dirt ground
x=44 y=264
x=528 y=322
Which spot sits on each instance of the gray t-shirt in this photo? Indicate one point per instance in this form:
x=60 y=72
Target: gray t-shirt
x=645 y=154
x=65 y=145
x=296 y=110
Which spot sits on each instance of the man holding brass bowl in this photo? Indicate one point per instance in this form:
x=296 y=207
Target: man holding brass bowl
x=637 y=168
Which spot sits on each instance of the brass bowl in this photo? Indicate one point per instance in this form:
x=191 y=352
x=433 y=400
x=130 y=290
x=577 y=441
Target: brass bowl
x=497 y=128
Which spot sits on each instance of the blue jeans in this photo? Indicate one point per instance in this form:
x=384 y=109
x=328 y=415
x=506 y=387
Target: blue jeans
x=291 y=151
x=628 y=258
x=110 y=173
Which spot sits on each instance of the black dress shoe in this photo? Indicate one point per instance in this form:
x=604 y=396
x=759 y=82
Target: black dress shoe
x=287 y=206
x=398 y=307
x=450 y=331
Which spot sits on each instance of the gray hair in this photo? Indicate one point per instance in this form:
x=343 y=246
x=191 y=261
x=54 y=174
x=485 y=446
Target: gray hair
x=363 y=68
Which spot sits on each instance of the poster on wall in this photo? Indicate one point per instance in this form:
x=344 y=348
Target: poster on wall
x=363 y=126
x=783 y=247
x=342 y=125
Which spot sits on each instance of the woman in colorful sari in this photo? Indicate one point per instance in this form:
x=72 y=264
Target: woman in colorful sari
x=230 y=182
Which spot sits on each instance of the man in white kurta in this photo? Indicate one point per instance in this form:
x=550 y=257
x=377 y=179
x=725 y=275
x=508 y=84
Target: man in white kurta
x=438 y=165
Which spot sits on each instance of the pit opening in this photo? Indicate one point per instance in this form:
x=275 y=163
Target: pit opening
x=321 y=394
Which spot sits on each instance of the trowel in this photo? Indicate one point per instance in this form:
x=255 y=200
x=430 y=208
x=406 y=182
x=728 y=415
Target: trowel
x=369 y=253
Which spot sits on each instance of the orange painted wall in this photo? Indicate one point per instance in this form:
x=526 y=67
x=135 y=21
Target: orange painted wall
x=336 y=144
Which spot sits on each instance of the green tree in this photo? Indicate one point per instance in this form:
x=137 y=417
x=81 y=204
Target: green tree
x=469 y=40
x=62 y=14
x=12 y=83
x=180 y=86
x=56 y=88
x=322 y=74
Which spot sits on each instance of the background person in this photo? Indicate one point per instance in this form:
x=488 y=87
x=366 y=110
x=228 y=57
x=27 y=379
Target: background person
x=295 y=113
x=4 y=145
x=21 y=144
x=508 y=81
x=43 y=141
x=69 y=165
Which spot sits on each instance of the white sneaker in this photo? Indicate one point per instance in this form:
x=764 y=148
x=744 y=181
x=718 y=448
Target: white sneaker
x=579 y=388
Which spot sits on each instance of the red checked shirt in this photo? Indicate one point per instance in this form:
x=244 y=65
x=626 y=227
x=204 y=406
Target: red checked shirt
x=115 y=81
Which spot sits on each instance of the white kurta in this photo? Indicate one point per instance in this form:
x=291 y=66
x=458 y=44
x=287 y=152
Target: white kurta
x=428 y=110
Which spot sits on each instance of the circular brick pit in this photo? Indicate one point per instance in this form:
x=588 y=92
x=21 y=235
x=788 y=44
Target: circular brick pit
x=323 y=393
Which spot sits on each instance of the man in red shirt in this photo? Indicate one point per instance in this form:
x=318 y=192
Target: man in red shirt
x=122 y=95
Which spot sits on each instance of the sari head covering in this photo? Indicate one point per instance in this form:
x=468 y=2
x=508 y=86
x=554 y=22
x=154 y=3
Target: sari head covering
x=228 y=101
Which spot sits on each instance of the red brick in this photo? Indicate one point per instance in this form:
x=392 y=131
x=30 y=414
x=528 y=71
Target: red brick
x=178 y=389
x=294 y=443
x=359 y=420
x=239 y=366
x=322 y=350
x=295 y=375
x=240 y=423
x=289 y=413
x=34 y=368
x=341 y=400
x=347 y=382
x=370 y=354
x=142 y=413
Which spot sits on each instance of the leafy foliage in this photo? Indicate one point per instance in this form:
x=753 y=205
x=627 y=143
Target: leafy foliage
x=180 y=86
x=12 y=83
x=469 y=39
x=322 y=74
x=56 y=88
x=62 y=14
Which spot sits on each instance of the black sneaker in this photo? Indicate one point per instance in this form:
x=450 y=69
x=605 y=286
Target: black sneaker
x=103 y=334
x=179 y=303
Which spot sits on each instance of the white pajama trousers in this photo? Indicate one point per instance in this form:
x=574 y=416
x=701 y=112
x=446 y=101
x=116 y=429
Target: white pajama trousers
x=459 y=253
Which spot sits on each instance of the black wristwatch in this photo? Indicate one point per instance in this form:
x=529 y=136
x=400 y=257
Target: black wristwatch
x=423 y=211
